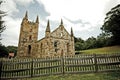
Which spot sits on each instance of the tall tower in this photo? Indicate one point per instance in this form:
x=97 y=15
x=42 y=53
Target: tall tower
x=28 y=36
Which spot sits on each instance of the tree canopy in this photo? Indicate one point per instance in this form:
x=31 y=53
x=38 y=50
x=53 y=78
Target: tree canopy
x=111 y=24
x=2 y=26
x=101 y=41
x=3 y=51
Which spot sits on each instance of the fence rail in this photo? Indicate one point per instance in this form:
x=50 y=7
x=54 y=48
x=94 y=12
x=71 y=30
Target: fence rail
x=20 y=68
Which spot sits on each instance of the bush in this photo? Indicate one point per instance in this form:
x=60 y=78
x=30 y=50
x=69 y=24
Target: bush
x=3 y=51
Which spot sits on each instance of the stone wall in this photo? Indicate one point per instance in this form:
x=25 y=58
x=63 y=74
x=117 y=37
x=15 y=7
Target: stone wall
x=54 y=44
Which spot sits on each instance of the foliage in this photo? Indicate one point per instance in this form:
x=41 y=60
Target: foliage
x=2 y=26
x=101 y=41
x=79 y=44
x=12 y=49
x=110 y=33
x=91 y=43
x=111 y=24
x=3 y=51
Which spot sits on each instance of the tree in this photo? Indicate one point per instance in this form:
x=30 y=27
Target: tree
x=12 y=49
x=2 y=26
x=79 y=44
x=111 y=24
x=3 y=51
x=91 y=43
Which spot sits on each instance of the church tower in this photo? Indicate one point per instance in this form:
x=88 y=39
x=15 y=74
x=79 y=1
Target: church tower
x=28 y=36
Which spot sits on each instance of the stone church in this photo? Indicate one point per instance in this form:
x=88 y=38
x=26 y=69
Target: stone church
x=54 y=44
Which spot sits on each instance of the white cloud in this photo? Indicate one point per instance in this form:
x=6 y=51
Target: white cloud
x=92 y=11
x=24 y=2
x=110 y=4
x=11 y=34
x=9 y=6
x=74 y=9
x=87 y=10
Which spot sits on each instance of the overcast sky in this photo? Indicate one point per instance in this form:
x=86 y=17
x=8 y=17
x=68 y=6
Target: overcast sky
x=84 y=16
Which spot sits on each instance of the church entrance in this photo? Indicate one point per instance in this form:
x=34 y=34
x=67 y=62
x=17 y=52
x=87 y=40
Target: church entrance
x=29 y=49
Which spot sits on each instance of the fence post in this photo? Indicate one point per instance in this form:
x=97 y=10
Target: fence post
x=62 y=61
x=49 y=66
x=32 y=68
x=0 y=69
x=62 y=65
x=95 y=63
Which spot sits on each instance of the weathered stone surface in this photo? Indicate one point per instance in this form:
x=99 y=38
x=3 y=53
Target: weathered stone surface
x=54 y=44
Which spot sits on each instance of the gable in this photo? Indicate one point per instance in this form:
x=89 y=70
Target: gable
x=60 y=32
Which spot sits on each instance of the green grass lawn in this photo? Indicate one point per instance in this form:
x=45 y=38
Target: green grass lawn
x=112 y=49
x=92 y=76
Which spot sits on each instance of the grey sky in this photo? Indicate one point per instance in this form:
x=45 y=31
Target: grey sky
x=84 y=16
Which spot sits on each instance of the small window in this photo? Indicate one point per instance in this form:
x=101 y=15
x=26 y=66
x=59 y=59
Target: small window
x=30 y=30
x=30 y=37
x=56 y=50
x=55 y=44
x=61 y=34
x=24 y=40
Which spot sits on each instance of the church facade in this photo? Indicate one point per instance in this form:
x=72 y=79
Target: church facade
x=55 y=44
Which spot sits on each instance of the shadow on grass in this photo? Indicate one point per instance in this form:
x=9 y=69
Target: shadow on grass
x=91 y=76
x=112 y=76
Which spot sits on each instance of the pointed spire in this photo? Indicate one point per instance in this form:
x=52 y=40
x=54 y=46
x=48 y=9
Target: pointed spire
x=26 y=15
x=48 y=27
x=37 y=19
x=72 y=32
x=61 y=22
x=25 y=19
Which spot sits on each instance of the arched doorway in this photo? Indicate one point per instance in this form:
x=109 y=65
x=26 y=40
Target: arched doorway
x=29 y=49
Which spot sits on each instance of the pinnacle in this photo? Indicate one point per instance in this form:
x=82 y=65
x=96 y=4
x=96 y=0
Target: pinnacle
x=37 y=19
x=61 y=22
x=48 y=27
x=26 y=15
